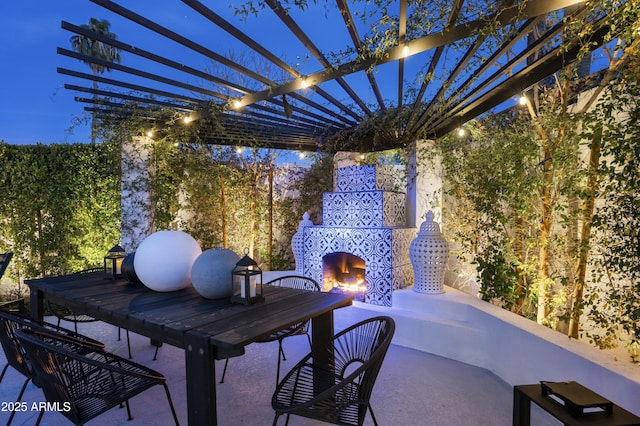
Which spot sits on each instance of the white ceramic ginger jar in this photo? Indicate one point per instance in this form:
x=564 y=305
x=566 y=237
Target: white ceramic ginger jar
x=297 y=243
x=429 y=253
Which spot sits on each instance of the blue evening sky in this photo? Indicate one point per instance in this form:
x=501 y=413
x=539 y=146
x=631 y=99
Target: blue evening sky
x=35 y=107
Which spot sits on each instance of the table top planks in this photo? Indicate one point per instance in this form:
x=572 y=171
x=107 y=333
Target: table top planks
x=168 y=316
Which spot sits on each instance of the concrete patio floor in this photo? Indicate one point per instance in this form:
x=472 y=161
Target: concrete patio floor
x=413 y=388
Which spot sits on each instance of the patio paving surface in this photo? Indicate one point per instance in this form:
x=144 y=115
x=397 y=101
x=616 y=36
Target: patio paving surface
x=413 y=388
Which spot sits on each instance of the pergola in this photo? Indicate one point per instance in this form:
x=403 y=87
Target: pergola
x=292 y=78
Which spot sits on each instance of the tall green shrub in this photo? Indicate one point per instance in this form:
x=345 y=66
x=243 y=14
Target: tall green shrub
x=491 y=182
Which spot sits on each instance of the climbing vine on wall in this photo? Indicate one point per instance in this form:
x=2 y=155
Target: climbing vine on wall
x=219 y=194
x=614 y=306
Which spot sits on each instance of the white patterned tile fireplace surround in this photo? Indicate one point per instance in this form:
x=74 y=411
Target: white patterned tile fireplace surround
x=364 y=221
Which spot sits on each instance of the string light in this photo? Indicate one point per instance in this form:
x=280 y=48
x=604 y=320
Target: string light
x=522 y=100
x=461 y=132
x=304 y=83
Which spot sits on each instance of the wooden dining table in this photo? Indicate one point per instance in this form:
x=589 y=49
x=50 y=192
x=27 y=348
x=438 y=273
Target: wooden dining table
x=206 y=329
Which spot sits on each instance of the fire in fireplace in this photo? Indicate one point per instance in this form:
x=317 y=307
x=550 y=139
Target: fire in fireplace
x=344 y=272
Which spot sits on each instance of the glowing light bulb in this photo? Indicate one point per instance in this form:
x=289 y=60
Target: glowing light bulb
x=461 y=132
x=304 y=83
x=522 y=100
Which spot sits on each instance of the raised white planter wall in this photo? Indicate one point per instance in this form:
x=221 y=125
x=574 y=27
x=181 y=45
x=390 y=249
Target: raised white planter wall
x=459 y=326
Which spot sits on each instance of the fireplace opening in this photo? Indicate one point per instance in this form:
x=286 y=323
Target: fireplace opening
x=344 y=272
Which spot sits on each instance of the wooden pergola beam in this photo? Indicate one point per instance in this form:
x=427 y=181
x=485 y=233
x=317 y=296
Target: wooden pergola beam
x=507 y=16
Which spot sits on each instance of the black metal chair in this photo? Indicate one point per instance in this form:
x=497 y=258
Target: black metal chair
x=302 y=328
x=340 y=396
x=87 y=380
x=65 y=314
x=15 y=353
x=5 y=258
x=17 y=306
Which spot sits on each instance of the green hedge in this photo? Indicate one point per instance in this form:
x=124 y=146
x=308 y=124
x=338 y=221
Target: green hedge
x=60 y=207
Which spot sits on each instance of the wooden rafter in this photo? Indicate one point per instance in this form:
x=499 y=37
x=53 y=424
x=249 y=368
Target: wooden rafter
x=355 y=39
x=305 y=111
x=504 y=17
x=313 y=49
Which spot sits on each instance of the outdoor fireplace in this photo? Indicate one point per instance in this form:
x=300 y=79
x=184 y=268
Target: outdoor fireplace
x=345 y=272
x=363 y=242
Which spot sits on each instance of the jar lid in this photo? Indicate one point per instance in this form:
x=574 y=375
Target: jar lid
x=429 y=227
x=305 y=221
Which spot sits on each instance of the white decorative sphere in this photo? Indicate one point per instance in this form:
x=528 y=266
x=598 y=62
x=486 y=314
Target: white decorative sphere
x=211 y=273
x=163 y=260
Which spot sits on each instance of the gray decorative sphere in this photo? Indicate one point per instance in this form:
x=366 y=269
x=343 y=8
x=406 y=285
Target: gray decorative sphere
x=211 y=273
x=129 y=270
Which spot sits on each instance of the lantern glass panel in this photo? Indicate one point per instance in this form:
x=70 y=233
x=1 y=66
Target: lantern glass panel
x=113 y=262
x=247 y=282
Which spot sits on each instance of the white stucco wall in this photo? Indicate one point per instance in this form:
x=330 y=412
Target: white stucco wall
x=459 y=326
x=424 y=184
x=137 y=216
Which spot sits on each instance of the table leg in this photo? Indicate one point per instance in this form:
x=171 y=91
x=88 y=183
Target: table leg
x=321 y=335
x=521 y=408
x=321 y=338
x=36 y=304
x=201 y=379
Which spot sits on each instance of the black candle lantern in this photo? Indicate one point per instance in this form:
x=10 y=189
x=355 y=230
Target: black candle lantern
x=113 y=262
x=246 y=281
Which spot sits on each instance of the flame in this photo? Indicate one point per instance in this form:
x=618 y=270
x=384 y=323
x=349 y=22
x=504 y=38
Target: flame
x=357 y=287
